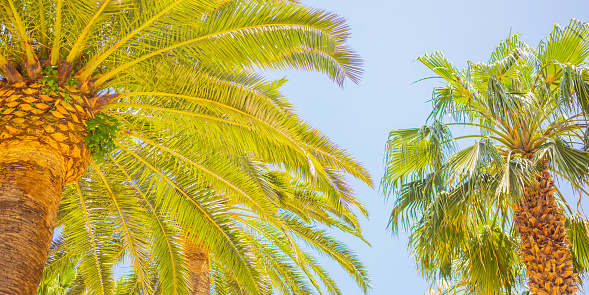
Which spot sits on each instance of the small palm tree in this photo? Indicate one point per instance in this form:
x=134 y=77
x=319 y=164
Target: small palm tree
x=159 y=99
x=466 y=205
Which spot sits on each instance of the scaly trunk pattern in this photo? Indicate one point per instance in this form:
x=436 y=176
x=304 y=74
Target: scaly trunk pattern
x=198 y=269
x=544 y=244
x=42 y=148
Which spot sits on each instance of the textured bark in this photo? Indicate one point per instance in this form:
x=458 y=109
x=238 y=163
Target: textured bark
x=29 y=115
x=545 y=248
x=198 y=269
x=32 y=67
x=31 y=182
x=11 y=74
x=42 y=148
x=65 y=71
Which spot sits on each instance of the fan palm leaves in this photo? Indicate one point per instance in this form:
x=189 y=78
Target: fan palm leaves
x=465 y=204
x=179 y=121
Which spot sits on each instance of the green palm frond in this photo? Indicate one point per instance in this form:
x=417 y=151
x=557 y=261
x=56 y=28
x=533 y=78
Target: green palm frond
x=577 y=231
x=413 y=153
x=60 y=273
x=489 y=262
x=89 y=234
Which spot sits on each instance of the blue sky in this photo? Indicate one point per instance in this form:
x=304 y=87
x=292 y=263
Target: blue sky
x=389 y=35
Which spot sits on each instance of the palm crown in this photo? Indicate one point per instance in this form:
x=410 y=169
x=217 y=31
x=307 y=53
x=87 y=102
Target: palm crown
x=183 y=133
x=466 y=205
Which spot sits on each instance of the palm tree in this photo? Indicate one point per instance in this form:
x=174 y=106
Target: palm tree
x=466 y=205
x=116 y=80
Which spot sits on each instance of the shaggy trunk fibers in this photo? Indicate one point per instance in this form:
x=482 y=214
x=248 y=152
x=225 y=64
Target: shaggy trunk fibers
x=544 y=244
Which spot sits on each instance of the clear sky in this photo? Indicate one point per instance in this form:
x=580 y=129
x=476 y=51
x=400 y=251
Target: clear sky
x=389 y=35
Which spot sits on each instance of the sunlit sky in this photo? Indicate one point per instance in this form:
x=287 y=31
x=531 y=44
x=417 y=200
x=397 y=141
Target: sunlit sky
x=389 y=35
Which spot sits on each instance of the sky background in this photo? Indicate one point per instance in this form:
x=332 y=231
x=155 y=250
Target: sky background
x=389 y=35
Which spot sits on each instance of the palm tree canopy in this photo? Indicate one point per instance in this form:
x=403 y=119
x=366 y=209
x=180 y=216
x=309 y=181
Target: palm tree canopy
x=524 y=108
x=190 y=135
x=271 y=250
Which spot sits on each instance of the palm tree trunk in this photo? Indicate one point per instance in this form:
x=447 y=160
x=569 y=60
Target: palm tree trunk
x=31 y=182
x=544 y=244
x=198 y=269
x=42 y=147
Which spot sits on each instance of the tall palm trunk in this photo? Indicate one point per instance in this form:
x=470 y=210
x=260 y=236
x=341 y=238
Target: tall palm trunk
x=544 y=244
x=41 y=148
x=198 y=269
x=31 y=181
